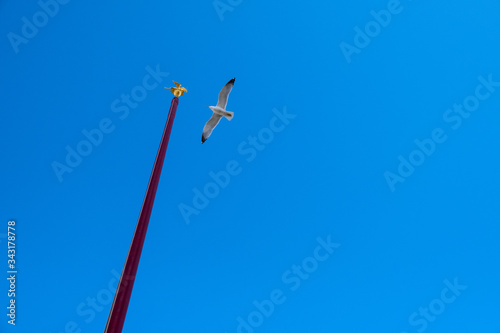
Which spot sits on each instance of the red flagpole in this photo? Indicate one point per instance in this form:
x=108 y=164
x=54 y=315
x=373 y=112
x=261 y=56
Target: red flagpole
x=119 y=308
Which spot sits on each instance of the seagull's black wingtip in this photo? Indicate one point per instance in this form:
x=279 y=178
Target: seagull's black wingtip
x=203 y=139
x=232 y=80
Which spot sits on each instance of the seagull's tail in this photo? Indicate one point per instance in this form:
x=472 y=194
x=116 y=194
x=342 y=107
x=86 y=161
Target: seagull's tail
x=228 y=115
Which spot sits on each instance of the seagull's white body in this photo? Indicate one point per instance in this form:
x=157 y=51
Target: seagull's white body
x=219 y=111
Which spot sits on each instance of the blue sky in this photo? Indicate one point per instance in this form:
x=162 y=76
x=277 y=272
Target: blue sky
x=358 y=178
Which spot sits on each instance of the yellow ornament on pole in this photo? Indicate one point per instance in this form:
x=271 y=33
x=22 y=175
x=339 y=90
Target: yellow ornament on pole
x=177 y=90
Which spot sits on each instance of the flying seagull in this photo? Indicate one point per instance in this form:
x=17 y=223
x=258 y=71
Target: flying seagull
x=219 y=111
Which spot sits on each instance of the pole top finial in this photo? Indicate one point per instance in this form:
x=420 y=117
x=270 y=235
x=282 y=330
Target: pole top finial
x=177 y=90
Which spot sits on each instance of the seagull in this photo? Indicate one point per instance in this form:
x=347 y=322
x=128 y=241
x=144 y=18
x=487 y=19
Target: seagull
x=219 y=111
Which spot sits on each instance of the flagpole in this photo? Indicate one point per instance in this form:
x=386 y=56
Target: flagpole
x=118 y=311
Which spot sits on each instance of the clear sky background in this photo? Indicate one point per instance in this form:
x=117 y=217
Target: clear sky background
x=412 y=250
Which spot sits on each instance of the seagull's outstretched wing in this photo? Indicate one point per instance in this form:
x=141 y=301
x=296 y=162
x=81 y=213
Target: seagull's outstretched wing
x=224 y=93
x=209 y=126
